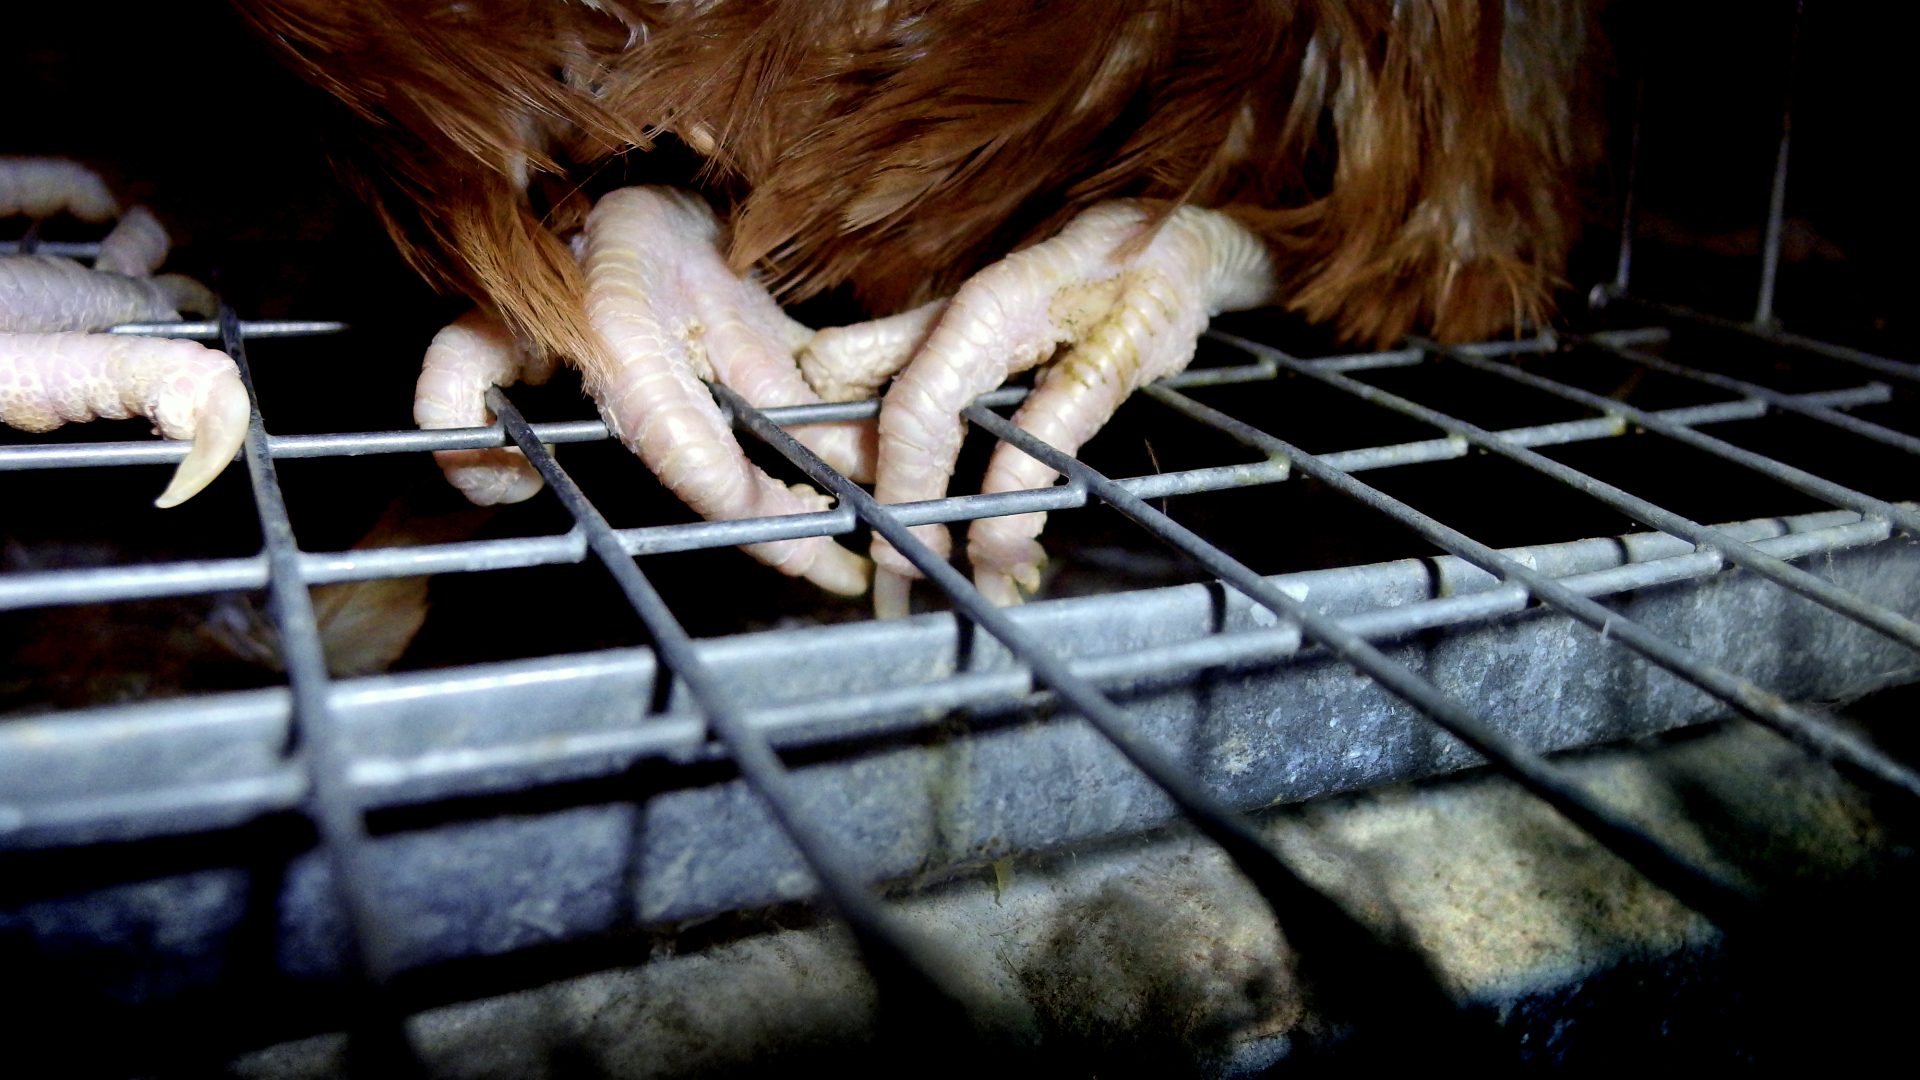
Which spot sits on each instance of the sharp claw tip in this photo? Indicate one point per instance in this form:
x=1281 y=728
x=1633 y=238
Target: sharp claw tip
x=196 y=471
x=217 y=439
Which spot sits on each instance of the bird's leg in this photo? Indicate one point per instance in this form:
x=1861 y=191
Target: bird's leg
x=474 y=352
x=188 y=390
x=1129 y=307
x=670 y=313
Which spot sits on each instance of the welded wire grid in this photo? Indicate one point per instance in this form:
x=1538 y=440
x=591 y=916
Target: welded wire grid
x=318 y=771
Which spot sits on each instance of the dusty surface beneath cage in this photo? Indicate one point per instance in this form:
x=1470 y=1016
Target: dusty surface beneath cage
x=1155 y=955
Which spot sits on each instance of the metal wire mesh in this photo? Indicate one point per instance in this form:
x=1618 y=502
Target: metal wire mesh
x=335 y=751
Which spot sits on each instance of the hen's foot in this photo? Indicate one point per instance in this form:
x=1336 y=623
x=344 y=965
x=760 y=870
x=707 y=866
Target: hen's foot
x=671 y=314
x=1129 y=308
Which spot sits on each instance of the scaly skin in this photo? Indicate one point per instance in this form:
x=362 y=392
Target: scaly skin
x=848 y=363
x=670 y=313
x=471 y=354
x=1130 y=312
x=49 y=294
x=50 y=375
x=187 y=390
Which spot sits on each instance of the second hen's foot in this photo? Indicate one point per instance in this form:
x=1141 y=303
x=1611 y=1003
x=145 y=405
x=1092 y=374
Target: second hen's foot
x=1128 y=308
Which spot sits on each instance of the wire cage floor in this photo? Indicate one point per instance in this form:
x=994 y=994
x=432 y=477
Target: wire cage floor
x=1343 y=570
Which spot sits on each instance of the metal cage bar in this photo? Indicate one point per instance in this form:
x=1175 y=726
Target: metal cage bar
x=1698 y=886
x=1890 y=623
x=185 y=578
x=313 y=742
x=1396 y=977
x=1773 y=399
x=1791 y=476
x=902 y=963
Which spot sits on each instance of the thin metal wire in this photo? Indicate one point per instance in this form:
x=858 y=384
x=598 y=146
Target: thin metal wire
x=1792 y=403
x=1882 y=365
x=1804 y=726
x=1623 y=267
x=313 y=741
x=900 y=961
x=1796 y=478
x=1397 y=984
x=49 y=588
x=210 y=330
x=1892 y=624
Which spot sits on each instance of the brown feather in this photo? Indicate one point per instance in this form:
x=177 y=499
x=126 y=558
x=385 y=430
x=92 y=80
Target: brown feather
x=1413 y=164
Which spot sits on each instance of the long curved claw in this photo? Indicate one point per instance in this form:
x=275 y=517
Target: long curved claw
x=218 y=433
x=1130 y=303
x=669 y=312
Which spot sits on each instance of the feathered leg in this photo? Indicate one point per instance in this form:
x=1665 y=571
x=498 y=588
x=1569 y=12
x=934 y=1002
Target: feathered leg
x=1130 y=306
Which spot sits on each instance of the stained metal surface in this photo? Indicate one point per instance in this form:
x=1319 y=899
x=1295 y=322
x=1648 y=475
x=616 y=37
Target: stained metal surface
x=1255 y=727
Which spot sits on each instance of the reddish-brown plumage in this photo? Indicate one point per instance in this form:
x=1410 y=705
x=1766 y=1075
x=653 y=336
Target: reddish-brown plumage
x=1411 y=163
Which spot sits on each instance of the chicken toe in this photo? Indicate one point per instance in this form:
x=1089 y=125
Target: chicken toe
x=473 y=353
x=137 y=245
x=43 y=187
x=848 y=363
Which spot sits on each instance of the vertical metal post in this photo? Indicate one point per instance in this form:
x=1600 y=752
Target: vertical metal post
x=1624 y=266
x=1777 y=201
x=380 y=1043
